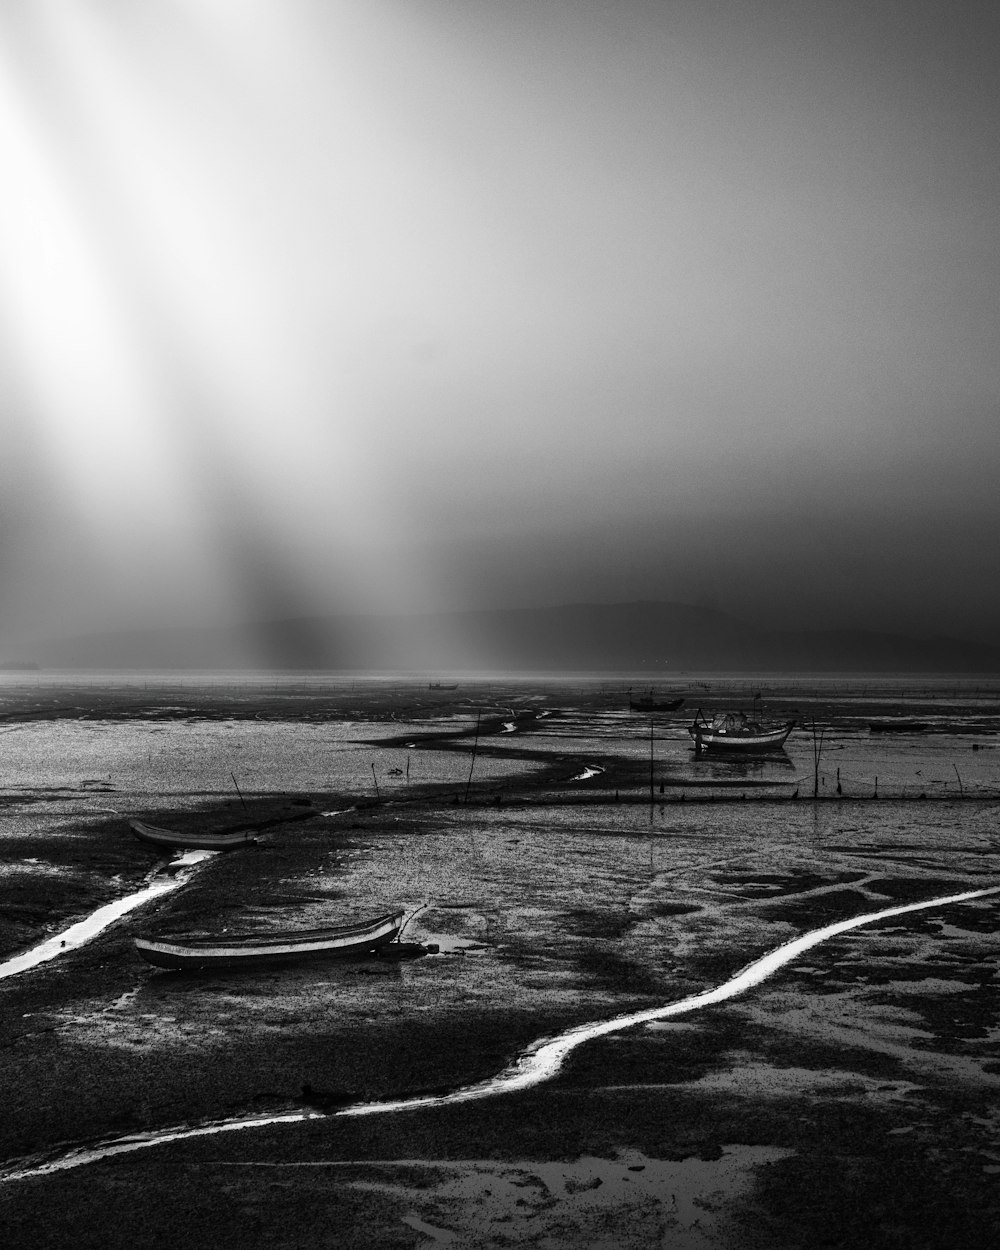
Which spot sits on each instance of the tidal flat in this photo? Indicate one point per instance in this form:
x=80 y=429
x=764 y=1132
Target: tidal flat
x=572 y=860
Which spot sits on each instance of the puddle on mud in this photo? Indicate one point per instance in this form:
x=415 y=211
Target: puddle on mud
x=649 y=1201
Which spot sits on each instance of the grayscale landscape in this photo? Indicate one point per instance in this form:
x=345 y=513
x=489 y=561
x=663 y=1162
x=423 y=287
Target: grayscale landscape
x=499 y=624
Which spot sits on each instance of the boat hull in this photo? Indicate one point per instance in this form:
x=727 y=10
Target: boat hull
x=644 y=705
x=737 y=743
x=258 y=950
x=169 y=840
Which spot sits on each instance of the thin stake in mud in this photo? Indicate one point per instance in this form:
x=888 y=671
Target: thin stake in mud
x=375 y=779
x=472 y=764
x=817 y=745
x=238 y=791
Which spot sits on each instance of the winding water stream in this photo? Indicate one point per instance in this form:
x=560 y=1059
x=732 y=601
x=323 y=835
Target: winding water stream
x=177 y=873
x=541 y=1061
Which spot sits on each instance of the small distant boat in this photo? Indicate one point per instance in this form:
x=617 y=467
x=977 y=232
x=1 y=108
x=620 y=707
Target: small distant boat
x=254 y=949
x=731 y=731
x=897 y=726
x=440 y=685
x=647 y=703
x=172 y=841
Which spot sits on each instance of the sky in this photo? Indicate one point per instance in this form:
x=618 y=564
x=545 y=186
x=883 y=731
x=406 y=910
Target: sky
x=325 y=306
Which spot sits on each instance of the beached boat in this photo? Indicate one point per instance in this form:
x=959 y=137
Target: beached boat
x=170 y=840
x=731 y=731
x=252 y=950
x=646 y=703
x=897 y=726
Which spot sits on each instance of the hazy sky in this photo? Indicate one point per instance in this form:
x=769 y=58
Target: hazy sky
x=313 y=305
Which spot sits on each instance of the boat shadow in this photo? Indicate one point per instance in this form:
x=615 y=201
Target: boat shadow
x=749 y=765
x=291 y=974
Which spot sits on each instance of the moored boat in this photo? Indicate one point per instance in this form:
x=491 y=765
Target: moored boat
x=170 y=840
x=251 y=950
x=731 y=731
x=647 y=703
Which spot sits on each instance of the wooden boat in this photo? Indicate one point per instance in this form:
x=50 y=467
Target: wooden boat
x=646 y=703
x=897 y=726
x=252 y=950
x=169 y=840
x=731 y=731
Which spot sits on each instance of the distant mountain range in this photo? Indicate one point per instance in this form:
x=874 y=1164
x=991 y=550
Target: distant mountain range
x=654 y=637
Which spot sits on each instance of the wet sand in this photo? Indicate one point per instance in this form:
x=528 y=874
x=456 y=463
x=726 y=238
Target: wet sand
x=850 y=1100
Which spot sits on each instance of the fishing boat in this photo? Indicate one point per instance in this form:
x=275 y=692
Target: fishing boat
x=646 y=703
x=170 y=840
x=732 y=731
x=252 y=950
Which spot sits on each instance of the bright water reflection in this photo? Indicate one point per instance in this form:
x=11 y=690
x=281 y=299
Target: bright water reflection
x=85 y=930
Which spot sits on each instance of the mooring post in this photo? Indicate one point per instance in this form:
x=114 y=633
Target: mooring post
x=472 y=764
x=237 y=785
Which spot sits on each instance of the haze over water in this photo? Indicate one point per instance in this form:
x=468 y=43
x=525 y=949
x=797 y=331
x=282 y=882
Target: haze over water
x=414 y=306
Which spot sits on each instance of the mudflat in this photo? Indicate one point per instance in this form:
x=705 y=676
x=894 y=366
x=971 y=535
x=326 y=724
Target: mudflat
x=572 y=861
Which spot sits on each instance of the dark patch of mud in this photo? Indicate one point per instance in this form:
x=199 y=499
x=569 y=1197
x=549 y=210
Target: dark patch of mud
x=956 y=1018
x=603 y=967
x=911 y=889
x=674 y=909
x=818 y=909
x=854 y=1195
x=770 y=885
x=592 y=924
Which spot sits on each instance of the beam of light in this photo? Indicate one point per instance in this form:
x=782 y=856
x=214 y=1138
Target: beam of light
x=171 y=348
x=540 y=1062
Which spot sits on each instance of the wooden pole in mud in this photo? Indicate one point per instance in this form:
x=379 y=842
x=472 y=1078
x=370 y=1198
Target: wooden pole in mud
x=817 y=744
x=375 y=779
x=472 y=764
x=237 y=785
x=651 y=800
